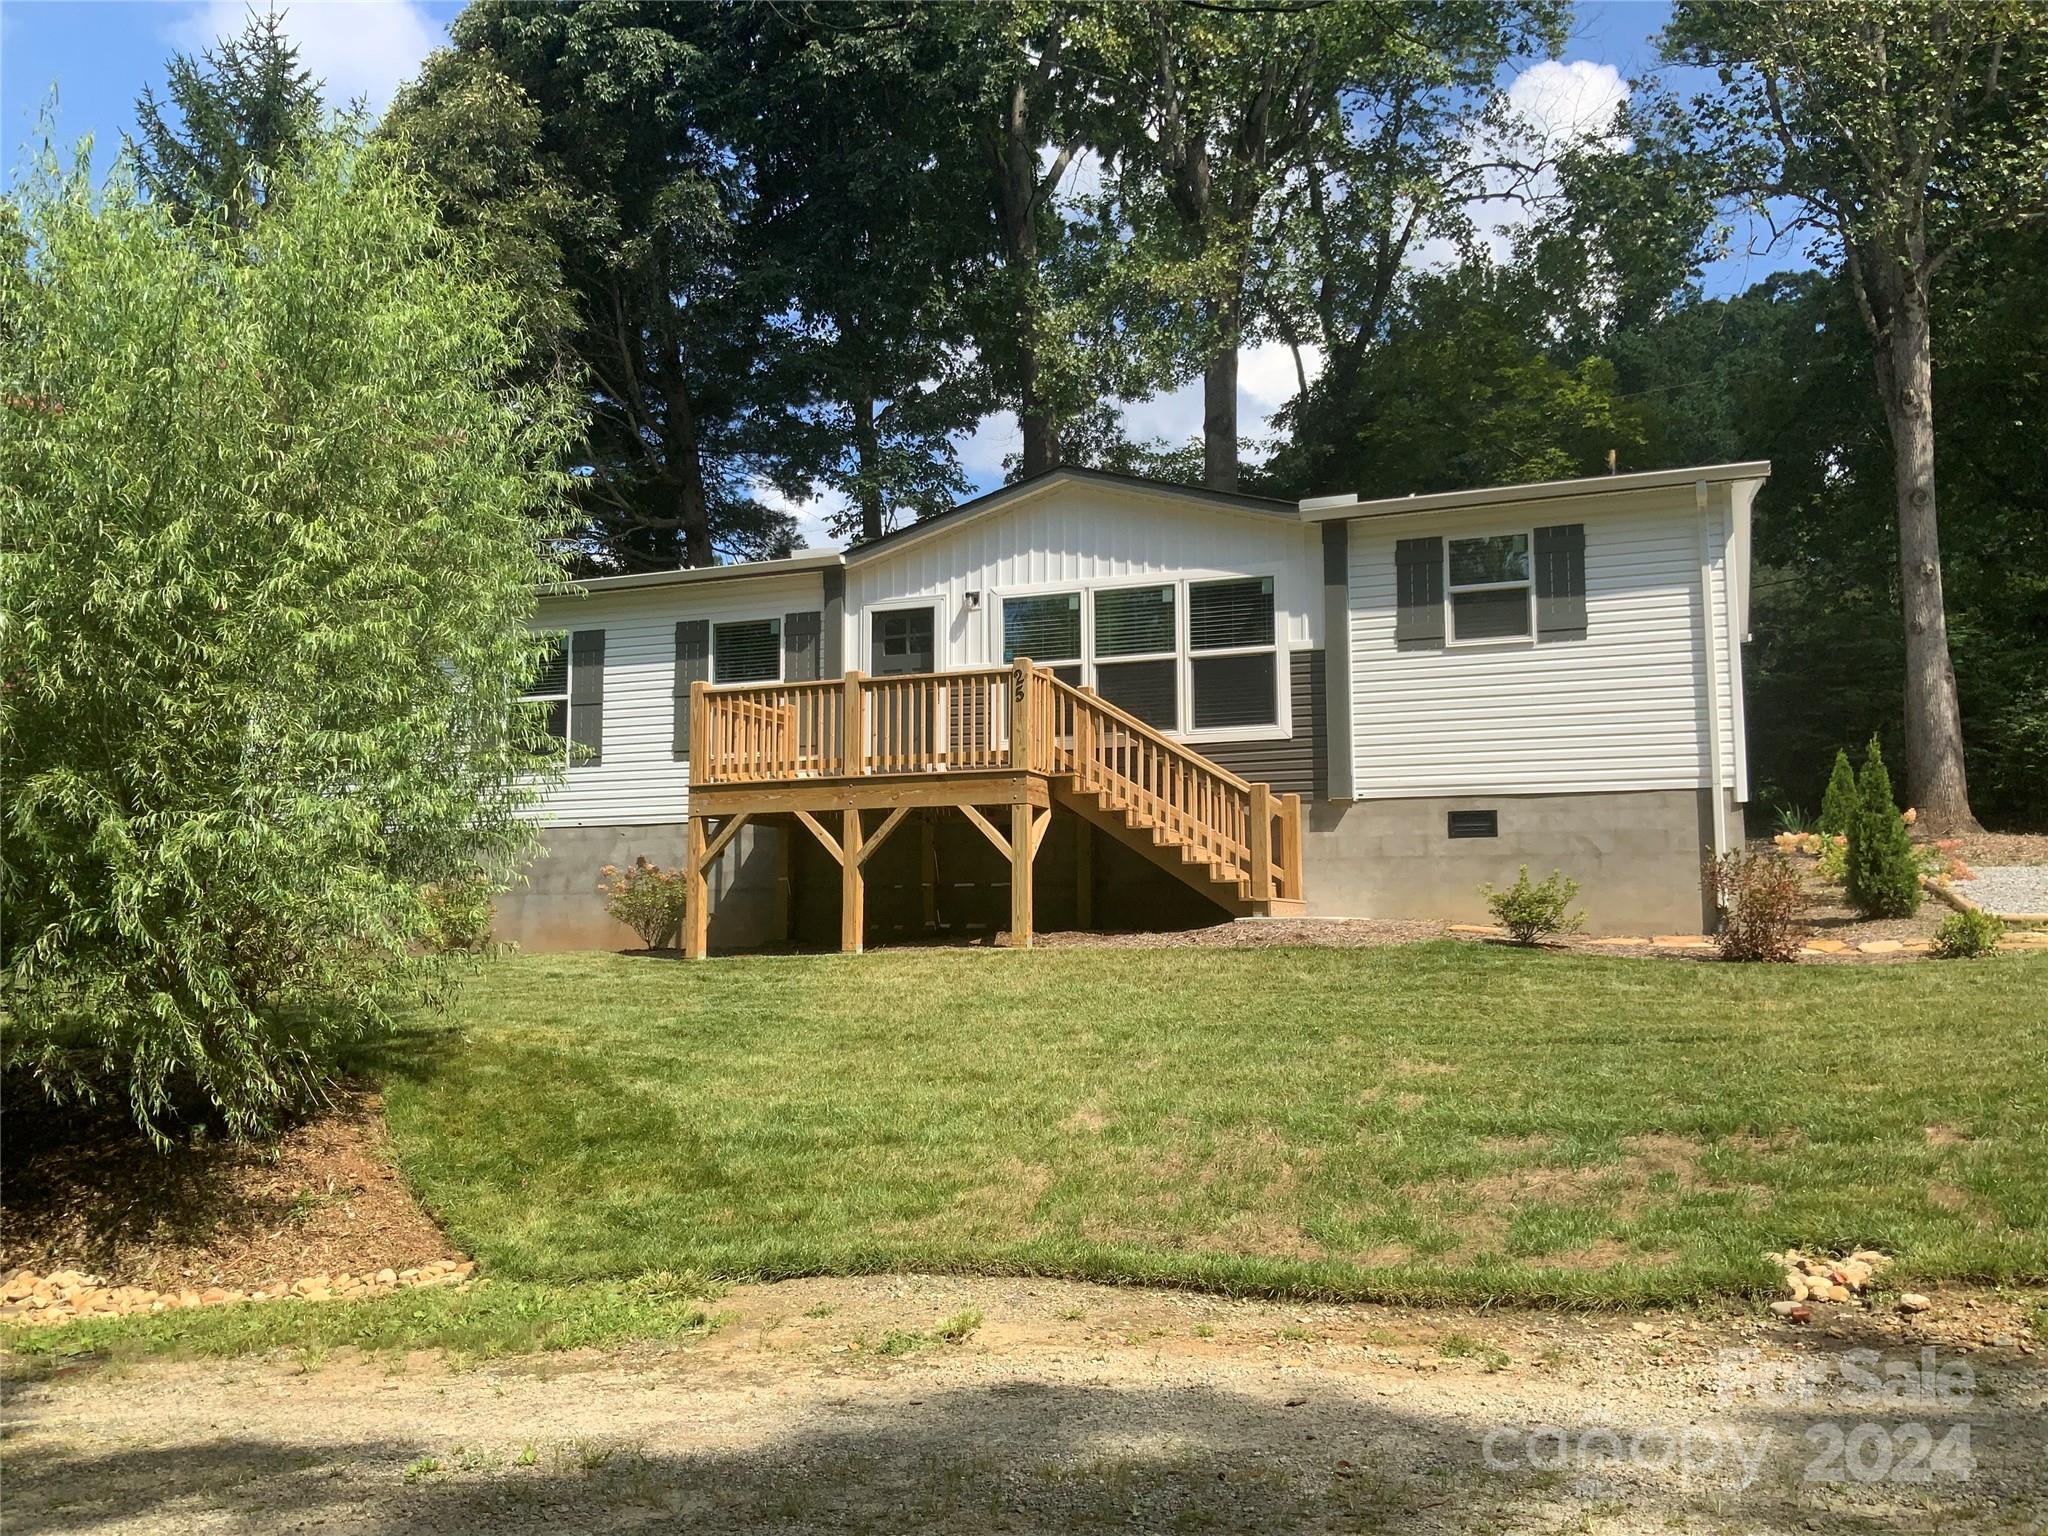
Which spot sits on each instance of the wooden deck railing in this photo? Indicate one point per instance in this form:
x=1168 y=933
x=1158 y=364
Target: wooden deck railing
x=1016 y=718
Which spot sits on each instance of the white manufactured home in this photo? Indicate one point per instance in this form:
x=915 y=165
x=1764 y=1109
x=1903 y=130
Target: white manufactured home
x=1086 y=700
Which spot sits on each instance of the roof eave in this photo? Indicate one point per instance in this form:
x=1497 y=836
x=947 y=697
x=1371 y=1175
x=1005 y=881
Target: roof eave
x=1324 y=509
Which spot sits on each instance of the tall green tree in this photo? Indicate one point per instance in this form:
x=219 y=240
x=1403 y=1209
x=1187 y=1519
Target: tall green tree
x=274 y=528
x=240 y=110
x=1279 y=164
x=1901 y=133
x=637 y=198
x=848 y=121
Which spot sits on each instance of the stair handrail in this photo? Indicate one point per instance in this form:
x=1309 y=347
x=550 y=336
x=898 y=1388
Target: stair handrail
x=1096 y=702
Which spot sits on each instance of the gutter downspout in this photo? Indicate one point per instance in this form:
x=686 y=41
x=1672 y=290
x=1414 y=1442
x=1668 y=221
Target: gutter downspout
x=1717 y=775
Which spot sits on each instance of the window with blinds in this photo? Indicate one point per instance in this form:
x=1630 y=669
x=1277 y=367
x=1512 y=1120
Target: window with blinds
x=1233 y=655
x=1136 y=627
x=550 y=687
x=747 y=651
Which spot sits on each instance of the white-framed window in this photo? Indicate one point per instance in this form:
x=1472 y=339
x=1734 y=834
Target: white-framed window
x=1233 y=649
x=1046 y=626
x=746 y=651
x=1489 y=591
x=550 y=687
x=1137 y=651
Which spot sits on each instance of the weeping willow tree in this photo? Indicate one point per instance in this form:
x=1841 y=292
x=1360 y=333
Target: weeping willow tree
x=273 y=527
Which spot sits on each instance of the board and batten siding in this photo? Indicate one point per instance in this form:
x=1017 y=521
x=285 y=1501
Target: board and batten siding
x=641 y=782
x=1622 y=709
x=1077 y=534
x=1080 y=535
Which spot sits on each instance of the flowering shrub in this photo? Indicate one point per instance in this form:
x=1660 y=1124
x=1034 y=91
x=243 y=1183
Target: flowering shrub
x=459 y=913
x=1833 y=859
x=1967 y=935
x=1759 y=895
x=646 y=898
x=1529 y=911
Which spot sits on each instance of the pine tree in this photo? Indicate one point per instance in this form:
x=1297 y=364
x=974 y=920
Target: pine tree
x=1883 y=877
x=1838 y=807
x=243 y=107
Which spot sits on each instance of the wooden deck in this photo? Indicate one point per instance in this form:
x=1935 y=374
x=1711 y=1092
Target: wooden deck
x=848 y=758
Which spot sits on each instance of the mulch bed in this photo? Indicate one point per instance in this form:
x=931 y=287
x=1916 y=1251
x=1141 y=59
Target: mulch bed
x=84 y=1191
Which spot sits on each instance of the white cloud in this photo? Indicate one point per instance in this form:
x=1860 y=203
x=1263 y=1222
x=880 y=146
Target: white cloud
x=1561 y=100
x=359 y=48
x=982 y=451
x=813 y=531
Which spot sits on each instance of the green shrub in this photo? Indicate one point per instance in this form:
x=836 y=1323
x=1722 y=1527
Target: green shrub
x=1760 y=899
x=1831 y=860
x=648 y=899
x=459 y=912
x=1967 y=935
x=274 y=522
x=1882 y=875
x=1529 y=911
x=1843 y=799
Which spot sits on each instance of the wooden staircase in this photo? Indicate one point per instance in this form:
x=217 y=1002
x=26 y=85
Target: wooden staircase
x=1233 y=840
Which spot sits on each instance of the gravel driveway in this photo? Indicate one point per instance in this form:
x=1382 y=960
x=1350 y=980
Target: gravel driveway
x=2009 y=888
x=830 y=1405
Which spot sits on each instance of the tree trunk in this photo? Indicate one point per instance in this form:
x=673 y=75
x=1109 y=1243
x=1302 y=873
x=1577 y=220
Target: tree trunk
x=867 y=448
x=1219 y=397
x=1019 y=194
x=686 y=473
x=1934 y=727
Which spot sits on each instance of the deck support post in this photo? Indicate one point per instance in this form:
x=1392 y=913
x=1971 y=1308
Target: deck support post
x=1084 y=875
x=1021 y=848
x=853 y=890
x=1260 y=836
x=696 y=896
x=928 y=867
x=785 y=883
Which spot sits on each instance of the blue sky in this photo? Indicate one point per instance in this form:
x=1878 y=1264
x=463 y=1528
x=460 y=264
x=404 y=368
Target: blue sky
x=97 y=55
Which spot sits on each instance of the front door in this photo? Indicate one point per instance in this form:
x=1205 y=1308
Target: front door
x=905 y=640
x=901 y=719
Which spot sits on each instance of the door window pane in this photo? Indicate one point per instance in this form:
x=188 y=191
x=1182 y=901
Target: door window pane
x=903 y=641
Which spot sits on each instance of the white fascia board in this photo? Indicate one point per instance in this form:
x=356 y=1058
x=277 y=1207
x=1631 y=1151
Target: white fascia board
x=1323 y=509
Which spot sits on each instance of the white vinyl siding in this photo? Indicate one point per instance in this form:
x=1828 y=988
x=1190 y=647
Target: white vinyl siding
x=1622 y=709
x=641 y=782
x=1078 y=539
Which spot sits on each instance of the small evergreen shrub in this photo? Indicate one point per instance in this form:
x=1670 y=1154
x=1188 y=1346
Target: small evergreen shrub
x=1529 y=911
x=1967 y=935
x=1843 y=799
x=1883 y=873
x=646 y=898
x=1760 y=897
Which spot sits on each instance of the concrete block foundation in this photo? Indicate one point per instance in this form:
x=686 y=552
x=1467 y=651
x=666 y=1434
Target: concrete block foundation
x=1637 y=856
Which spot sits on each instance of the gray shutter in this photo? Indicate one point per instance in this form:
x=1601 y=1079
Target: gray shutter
x=1561 y=582
x=801 y=634
x=586 y=695
x=1418 y=594
x=693 y=665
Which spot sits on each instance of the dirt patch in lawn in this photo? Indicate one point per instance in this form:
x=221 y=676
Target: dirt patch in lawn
x=83 y=1191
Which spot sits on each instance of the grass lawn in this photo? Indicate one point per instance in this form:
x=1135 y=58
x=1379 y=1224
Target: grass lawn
x=1444 y=1121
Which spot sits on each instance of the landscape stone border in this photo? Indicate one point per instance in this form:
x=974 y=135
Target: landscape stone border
x=67 y=1295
